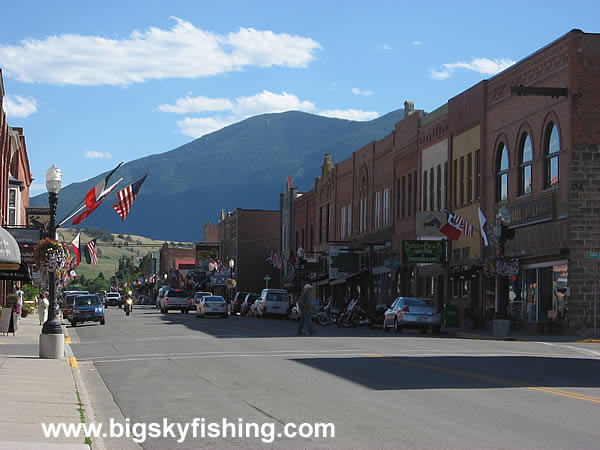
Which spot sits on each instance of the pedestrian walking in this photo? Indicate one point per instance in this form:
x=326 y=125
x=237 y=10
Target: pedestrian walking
x=305 y=311
x=20 y=294
x=43 y=305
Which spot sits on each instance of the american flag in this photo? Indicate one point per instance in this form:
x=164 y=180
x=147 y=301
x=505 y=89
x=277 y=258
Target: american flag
x=274 y=259
x=93 y=250
x=465 y=226
x=126 y=197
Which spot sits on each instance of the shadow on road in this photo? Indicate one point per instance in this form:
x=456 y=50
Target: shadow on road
x=461 y=372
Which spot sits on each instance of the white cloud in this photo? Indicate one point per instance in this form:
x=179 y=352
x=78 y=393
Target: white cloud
x=37 y=187
x=385 y=47
x=197 y=127
x=182 y=51
x=17 y=106
x=350 y=114
x=417 y=43
x=357 y=91
x=484 y=66
x=243 y=107
x=92 y=154
x=197 y=104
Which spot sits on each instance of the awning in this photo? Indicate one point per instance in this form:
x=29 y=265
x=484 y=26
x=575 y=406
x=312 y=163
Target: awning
x=22 y=273
x=10 y=254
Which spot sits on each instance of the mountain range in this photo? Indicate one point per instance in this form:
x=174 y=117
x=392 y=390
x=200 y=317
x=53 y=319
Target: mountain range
x=244 y=165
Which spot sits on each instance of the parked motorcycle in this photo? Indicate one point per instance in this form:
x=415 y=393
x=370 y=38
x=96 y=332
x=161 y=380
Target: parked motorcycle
x=128 y=306
x=354 y=316
x=329 y=314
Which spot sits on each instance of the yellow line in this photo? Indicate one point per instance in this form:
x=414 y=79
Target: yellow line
x=73 y=361
x=593 y=341
x=67 y=340
x=588 y=398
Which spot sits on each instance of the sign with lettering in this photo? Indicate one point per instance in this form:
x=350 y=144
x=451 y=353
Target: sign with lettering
x=8 y=321
x=424 y=251
x=593 y=255
x=207 y=251
x=37 y=217
x=25 y=235
x=534 y=211
x=428 y=223
x=341 y=262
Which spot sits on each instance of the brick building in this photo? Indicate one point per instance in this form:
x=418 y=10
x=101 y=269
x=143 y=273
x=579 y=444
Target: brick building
x=488 y=148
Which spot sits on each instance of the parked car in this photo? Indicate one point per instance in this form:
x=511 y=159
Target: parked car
x=63 y=296
x=87 y=308
x=236 y=304
x=69 y=301
x=114 y=299
x=196 y=297
x=412 y=312
x=212 y=305
x=248 y=302
x=273 y=301
x=295 y=313
x=174 y=299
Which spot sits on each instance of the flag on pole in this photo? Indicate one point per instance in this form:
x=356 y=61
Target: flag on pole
x=82 y=216
x=90 y=252
x=94 y=194
x=76 y=247
x=126 y=197
x=452 y=229
x=274 y=259
x=482 y=221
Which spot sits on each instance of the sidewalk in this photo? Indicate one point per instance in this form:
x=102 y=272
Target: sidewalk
x=34 y=391
x=465 y=333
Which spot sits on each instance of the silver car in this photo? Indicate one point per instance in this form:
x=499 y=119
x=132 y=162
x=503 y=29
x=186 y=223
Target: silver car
x=412 y=312
x=214 y=305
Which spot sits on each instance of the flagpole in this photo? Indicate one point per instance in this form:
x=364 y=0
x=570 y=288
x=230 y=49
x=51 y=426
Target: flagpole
x=107 y=191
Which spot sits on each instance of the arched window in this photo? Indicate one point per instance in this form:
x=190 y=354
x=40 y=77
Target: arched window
x=502 y=174
x=551 y=150
x=525 y=159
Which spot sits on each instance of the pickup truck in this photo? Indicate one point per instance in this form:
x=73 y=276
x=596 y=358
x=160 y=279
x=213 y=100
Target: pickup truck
x=174 y=299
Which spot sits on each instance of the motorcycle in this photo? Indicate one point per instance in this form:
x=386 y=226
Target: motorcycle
x=354 y=316
x=329 y=314
x=128 y=307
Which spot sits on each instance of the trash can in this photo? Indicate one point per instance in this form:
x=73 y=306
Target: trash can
x=450 y=316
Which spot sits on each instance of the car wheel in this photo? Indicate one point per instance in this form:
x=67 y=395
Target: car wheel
x=103 y=321
x=436 y=330
x=73 y=324
x=385 y=329
x=197 y=315
x=397 y=327
x=166 y=311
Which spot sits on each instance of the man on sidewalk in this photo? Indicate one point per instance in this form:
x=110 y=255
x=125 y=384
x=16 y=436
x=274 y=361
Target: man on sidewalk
x=305 y=311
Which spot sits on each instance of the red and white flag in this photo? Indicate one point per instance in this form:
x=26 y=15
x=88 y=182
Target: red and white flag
x=77 y=247
x=452 y=229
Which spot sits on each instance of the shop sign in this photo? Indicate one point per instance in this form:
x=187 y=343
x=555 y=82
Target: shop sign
x=539 y=210
x=25 y=235
x=219 y=279
x=428 y=223
x=423 y=251
x=341 y=263
x=204 y=251
x=37 y=217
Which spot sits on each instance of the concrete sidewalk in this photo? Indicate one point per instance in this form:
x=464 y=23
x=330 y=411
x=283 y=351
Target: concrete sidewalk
x=35 y=391
x=465 y=333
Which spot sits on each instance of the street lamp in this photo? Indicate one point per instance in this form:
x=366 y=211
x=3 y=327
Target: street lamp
x=51 y=339
x=300 y=254
x=503 y=233
x=231 y=265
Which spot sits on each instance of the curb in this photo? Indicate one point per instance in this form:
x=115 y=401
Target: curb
x=483 y=337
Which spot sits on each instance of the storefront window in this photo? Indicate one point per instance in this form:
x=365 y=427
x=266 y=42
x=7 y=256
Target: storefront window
x=559 y=291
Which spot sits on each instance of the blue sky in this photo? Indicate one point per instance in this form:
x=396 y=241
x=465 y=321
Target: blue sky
x=94 y=83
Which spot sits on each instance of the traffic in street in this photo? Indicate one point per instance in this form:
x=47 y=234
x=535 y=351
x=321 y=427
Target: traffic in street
x=378 y=390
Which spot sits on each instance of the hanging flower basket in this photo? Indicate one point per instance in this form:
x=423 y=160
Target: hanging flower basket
x=50 y=255
x=501 y=266
x=230 y=283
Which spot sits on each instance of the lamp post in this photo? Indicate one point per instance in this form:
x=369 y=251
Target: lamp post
x=231 y=265
x=503 y=233
x=51 y=339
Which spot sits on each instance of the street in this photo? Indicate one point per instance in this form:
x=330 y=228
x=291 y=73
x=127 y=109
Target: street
x=379 y=390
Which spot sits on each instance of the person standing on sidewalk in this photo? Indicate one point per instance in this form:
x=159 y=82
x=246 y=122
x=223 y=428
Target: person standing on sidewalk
x=305 y=311
x=43 y=305
x=19 y=293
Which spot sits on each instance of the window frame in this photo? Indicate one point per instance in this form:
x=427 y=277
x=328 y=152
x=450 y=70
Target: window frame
x=524 y=165
x=550 y=156
x=501 y=174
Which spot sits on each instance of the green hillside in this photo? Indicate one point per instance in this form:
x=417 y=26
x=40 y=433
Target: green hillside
x=109 y=253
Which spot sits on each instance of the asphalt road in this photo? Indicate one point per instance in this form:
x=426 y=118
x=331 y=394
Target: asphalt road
x=379 y=390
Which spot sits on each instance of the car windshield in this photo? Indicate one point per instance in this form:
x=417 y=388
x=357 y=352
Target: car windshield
x=87 y=300
x=416 y=302
x=214 y=299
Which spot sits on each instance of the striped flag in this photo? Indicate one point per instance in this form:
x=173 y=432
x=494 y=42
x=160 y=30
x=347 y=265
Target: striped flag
x=91 y=252
x=76 y=247
x=126 y=197
x=94 y=195
x=274 y=259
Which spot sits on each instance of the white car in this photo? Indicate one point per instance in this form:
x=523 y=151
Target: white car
x=214 y=305
x=196 y=297
x=273 y=301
